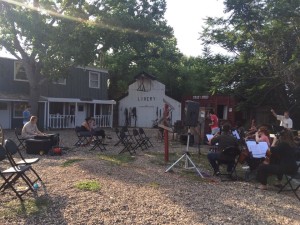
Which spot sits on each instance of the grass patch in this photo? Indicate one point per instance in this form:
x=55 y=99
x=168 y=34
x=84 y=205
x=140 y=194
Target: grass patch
x=154 y=185
x=70 y=162
x=29 y=207
x=88 y=185
x=117 y=159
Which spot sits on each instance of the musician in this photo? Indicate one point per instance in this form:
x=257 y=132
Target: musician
x=30 y=129
x=285 y=120
x=284 y=151
x=224 y=140
x=263 y=135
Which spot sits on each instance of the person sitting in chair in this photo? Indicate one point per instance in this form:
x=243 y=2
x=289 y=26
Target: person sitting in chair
x=282 y=160
x=224 y=140
x=90 y=127
x=30 y=129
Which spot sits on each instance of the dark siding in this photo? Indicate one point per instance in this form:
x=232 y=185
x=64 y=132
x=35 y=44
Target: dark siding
x=7 y=82
x=77 y=85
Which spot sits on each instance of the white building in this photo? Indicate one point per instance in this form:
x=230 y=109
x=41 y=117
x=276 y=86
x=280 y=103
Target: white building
x=145 y=103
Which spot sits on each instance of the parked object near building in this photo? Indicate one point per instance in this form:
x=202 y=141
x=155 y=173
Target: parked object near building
x=63 y=103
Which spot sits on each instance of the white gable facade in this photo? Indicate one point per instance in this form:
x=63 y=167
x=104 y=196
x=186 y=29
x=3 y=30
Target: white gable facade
x=145 y=103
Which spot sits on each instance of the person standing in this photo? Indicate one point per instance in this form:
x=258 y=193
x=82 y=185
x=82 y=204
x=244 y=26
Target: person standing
x=214 y=125
x=285 y=120
x=26 y=114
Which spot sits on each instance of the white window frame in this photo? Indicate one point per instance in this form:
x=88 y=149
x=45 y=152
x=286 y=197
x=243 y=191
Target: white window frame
x=18 y=106
x=17 y=66
x=61 y=81
x=93 y=81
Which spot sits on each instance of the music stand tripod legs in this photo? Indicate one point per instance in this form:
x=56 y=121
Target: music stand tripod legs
x=187 y=158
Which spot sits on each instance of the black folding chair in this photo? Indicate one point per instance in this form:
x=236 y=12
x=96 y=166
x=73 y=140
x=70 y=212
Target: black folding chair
x=13 y=175
x=84 y=137
x=230 y=155
x=127 y=133
x=21 y=140
x=139 y=141
x=145 y=137
x=293 y=181
x=128 y=145
x=98 y=142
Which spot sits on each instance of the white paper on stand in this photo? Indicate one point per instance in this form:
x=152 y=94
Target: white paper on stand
x=258 y=149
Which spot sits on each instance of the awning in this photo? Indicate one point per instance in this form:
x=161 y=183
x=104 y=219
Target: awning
x=77 y=100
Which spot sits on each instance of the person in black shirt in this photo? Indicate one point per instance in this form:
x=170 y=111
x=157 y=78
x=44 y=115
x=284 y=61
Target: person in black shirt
x=224 y=140
x=282 y=159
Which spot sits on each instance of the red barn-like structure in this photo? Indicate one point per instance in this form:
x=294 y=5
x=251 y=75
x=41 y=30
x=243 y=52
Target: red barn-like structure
x=224 y=107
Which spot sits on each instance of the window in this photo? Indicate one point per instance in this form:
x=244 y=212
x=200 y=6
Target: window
x=62 y=81
x=18 y=109
x=94 y=80
x=3 y=106
x=19 y=72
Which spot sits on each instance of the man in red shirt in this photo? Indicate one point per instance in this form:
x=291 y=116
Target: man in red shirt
x=214 y=125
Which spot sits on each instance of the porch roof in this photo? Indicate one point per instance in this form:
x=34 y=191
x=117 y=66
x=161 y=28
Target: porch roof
x=77 y=100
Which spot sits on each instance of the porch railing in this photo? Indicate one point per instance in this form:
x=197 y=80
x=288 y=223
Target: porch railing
x=68 y=121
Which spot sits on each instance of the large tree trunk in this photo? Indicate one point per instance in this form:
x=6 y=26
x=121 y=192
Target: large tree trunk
x=33 y=76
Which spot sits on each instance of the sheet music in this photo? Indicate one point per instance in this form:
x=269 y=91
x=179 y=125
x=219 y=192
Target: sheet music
x=258 y=149
x=236 y=134
x=209 y=136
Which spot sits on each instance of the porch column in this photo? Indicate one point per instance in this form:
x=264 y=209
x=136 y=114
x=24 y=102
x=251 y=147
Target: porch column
x=47 y=112
x=111 y=114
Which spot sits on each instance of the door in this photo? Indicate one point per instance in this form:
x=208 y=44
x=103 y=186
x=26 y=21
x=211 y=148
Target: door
x=4 y=115
x=80 y=114
x=145 y=116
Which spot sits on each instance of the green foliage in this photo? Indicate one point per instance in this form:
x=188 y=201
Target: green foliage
x=117 y=159
x=264 y=35
x=15 y=208
x=88 y=185
x=70 y=162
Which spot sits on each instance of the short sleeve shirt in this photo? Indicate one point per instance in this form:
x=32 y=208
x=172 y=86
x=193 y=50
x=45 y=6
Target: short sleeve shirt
x=285 y=122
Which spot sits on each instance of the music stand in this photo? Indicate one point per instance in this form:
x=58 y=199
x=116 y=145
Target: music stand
x=186 y=157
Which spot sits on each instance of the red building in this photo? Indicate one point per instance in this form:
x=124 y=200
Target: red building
x=224 y=107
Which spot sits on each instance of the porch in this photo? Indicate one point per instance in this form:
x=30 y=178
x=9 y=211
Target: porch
x=68 y=121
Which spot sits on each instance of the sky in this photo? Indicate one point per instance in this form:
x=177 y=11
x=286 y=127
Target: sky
x=187 y=18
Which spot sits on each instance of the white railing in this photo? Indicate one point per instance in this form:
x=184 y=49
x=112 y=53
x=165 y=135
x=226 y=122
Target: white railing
x=68 y=121
x=103 y=120
x=61 y=121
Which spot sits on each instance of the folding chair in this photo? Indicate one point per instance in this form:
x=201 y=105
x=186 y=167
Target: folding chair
x=128 y=145
x=139 y=141
x=12 y=149
x=98 y=143
x=293 y=180
x=1 y=135
x=145 y=137
x=83 y=136
x=12 y=175
x=230 y=156
x=127 y=133
x=18 y=133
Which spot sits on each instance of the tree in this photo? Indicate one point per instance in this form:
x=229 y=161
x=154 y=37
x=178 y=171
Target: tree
x=51 y=36
x=48 y=37
x=264 y=35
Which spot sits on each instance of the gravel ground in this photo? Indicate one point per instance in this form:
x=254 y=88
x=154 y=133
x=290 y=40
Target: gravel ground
x=140 y=192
